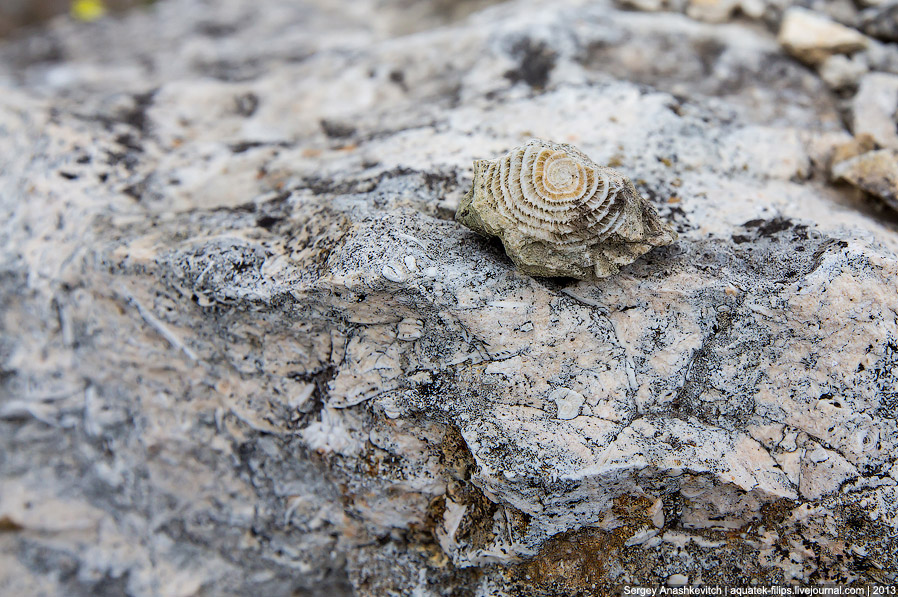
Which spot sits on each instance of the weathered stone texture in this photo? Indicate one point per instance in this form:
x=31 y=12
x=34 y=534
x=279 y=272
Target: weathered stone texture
x=247 y=350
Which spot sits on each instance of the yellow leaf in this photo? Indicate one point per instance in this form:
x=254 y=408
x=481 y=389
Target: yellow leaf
x=88 y=10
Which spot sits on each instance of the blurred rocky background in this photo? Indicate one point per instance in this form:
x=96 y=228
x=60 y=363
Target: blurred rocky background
x=16 y=15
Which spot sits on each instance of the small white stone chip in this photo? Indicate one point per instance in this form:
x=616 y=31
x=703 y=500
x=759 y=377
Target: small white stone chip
x=393 y=272
x=409 y=329
x=677 y=580
x=568 y=401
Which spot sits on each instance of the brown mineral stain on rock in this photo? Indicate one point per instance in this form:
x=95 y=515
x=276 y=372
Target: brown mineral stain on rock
x=455 y=456
x=861 y=143
x=7 y=524
x=576 y=562
x=422 y=537
x=633 y=509
x=475 y=528
x=615 y=161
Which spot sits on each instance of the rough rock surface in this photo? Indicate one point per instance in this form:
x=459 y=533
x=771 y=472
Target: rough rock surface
x=875 y=172
x=246 y=349
x=812 y=38
x=881 y=21
x=841 y=71
x=876 y=109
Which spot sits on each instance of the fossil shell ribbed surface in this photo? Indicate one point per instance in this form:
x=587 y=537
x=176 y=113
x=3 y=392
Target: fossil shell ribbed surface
x=560 y=214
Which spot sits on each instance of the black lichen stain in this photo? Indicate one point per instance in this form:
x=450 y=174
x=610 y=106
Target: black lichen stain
x=337 y=130
x=769 y=227
x=246 y=104
x=137 y=115
x=268 y=222
x=536 y=62
x=398 y=77
x=137 y=190
x=216 y=30
x=244 y=146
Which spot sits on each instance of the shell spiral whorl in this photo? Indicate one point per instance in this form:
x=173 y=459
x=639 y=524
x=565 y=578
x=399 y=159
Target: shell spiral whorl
x=560 y=214
x=553 y=196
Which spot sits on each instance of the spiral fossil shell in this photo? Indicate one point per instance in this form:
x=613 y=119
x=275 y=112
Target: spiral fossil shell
x=559 y=214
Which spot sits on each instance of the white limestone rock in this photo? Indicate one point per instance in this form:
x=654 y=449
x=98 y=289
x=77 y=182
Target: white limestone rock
x=840 y=71
x=246 y=349
x=875 y=109
x=568 y=402
x=712 y=11
x=646 y=5
x=874 y=171
x=812 y=37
